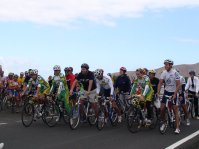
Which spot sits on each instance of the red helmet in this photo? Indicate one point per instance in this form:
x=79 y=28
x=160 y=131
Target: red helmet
x=123 y=69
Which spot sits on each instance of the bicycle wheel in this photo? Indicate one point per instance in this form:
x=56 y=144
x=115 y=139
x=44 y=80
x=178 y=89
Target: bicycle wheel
x=154 y=121
x=113 y=117
x=92 y=119
x=51 y=114
x=101 y=120
x=27 y=114
x=133 y=120
x=165 y=123
x=74 y=118
x=6 y=104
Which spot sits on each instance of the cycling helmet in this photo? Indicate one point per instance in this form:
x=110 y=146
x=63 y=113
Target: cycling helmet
x=66 y=68
x=152 y=71
x=21 y=73
x=123 y=69
x=16 y=76
x=168 y=61
x=98 y=72
x=85 y=66
x=35 y=72
x=11 y=74
x=56 y=68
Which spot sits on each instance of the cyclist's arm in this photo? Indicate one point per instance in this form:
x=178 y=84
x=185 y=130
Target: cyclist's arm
x=98 y=87
x=111 y=86
x=160 y=85
x=146 y=90
x=133 y=89
x=73 y=86
x=38 y=89
x=177 y=87
x=90 y=85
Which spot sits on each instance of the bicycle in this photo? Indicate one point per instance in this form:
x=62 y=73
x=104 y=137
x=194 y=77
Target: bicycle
x=33 y=110
x=106 y=109
x=136 y=116
x=81 y=110
x=170 y=117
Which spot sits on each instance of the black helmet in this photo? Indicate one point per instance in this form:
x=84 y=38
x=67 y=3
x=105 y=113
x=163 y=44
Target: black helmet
x=85 y=66
x=192 y=72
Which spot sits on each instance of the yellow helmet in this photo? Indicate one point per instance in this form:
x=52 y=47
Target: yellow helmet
x=152 y=71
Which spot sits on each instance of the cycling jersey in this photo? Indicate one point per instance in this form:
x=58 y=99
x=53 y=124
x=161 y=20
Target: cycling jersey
x=123 y=83
x=154 y=83
x=21 y=80
x=38 y=83
x=70 y=78
x=105 y=83
x=170 y=79
x=143 y=87
x=85 y=78
x=60 y=88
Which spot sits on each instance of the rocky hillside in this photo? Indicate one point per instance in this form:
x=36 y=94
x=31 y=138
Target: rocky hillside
x=184 y=70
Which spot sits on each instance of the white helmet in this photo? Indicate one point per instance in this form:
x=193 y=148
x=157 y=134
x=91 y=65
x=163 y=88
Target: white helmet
x=35 y=72
x=98 y=72
x=169 y=61
x=57 y=67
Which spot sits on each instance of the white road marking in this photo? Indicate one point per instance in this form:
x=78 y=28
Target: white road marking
x=183 y=140
x=18 y=121
x=3 y=124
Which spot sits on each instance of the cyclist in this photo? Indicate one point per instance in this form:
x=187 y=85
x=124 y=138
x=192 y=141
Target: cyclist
x=172 y=85
x=70 y=77
x=192 y=89
x=123 y=86
x=87 y=79
x=16 y=90
x=36 y=86
x=143 y=89
x=105 y=87
x=154 y=81
x=21 y=80
x=60 y=88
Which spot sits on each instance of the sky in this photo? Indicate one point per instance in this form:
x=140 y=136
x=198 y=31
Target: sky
x=105 y=34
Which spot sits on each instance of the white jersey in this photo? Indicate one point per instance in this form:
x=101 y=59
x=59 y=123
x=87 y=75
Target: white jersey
x=170 y=79
x=192 y=85
x=106 y=83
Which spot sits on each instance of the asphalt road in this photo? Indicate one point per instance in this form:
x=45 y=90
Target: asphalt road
x=40 y=136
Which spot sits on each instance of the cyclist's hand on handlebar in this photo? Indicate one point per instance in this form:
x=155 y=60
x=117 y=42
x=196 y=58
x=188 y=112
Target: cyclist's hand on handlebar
x=174 y=96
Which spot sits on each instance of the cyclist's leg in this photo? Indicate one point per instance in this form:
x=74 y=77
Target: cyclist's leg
x=176 y=112
x=94 y=103
x=149 y=105
x=184 y=106
x=163 y=109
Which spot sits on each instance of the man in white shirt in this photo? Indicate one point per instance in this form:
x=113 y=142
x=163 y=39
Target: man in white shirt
x=192 y=90
x=172 y=85
x=105 y=87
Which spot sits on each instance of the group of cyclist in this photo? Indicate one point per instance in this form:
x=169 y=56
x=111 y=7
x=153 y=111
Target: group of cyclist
x=146 y=87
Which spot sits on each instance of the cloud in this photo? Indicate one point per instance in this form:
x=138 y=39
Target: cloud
x=188 y=40
x=64 y=12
